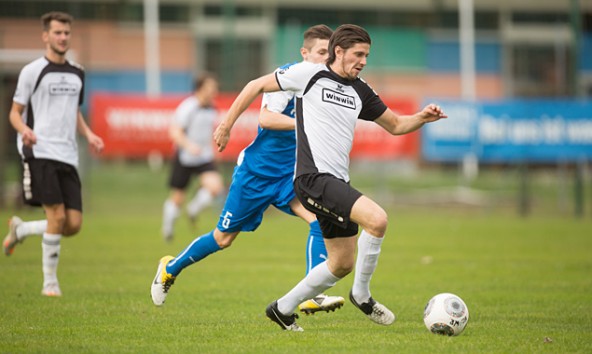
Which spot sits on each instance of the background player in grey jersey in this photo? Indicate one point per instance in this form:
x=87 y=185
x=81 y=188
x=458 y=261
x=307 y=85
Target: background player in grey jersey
x=330 y=99
x=46 y=114
x=191 y=131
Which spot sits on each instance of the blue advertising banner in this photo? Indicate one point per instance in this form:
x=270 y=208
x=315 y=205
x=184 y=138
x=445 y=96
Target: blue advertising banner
x=511 y=131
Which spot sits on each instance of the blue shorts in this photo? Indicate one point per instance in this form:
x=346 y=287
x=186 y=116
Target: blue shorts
x=248 y=198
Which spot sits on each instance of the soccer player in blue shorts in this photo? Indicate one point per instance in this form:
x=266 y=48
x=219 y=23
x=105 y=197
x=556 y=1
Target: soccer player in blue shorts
x=263 y=177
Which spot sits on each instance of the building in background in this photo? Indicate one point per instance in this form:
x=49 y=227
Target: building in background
x=531 y=48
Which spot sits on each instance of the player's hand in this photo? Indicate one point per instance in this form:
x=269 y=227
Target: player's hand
x=29 y=137
x=221 y=136
x=193 y=149
x=431 y=113
x=96 y=143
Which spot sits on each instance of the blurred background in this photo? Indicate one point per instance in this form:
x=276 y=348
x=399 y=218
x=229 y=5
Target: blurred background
x=515 y=77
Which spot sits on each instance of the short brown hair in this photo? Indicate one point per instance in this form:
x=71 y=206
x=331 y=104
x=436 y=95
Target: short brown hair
x=199 y=81
x=346 y=36
x=55 y=16
x=316 y=32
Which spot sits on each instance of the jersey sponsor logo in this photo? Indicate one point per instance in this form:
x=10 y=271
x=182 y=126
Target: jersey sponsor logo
x=63 y=89
x=339 y=99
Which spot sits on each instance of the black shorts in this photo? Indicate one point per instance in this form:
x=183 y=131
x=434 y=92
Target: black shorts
x=50 y=182
x=181 y=174
x=331 y=200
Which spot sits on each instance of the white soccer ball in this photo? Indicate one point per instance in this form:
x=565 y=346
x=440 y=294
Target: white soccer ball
x=446 y=314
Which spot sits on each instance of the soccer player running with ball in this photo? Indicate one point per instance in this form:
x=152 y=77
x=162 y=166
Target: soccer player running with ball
x=330 y=98
x=262 y=177
x=46 y=114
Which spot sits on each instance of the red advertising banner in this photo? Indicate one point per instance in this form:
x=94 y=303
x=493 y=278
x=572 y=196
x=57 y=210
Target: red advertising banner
x=372 y=142
x=135 y=126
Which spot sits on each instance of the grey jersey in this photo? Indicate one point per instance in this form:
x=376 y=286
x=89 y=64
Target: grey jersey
x=327 y=108
x=198 y=125
x=51 y=94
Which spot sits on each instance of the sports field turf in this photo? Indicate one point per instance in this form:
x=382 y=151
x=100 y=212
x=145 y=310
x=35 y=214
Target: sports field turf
x=527 y=282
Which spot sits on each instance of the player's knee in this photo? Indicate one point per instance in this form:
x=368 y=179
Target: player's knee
x=224 y=240
x=71 y=229
x=342 y=267
x=377 y=223
x=217 y=190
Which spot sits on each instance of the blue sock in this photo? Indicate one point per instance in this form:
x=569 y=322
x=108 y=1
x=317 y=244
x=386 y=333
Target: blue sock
x=199 y=249
x=316 y=252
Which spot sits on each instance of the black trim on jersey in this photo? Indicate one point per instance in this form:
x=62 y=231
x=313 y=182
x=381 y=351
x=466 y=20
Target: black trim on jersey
x=304 y=160
x=278 y=81
x=372 y=105
x=52 y=67
x=28 y=150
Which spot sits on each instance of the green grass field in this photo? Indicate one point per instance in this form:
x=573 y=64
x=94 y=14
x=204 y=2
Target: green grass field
x=523 y=279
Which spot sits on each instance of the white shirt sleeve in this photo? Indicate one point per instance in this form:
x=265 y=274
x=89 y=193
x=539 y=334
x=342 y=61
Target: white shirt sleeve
x=25 y=86
x=276 y=101
x=296 y=77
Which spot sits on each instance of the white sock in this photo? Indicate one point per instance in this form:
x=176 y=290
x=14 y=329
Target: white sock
x=202 y=199
x=170 y=213
x=51 y=256
x=29 y=228
x=368 y=252
x=317 y=281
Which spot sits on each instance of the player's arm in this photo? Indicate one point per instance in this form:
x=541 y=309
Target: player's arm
x=403 y=124
x=248 y=94
x=95 y=142
x=272 y=106
x=16 y=120
x=179 y=138
x=275 y=121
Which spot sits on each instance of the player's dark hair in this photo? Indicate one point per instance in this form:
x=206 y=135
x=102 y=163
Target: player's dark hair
x=55 y=16
x=199 y=81
x=316 y=32
x=346 y=36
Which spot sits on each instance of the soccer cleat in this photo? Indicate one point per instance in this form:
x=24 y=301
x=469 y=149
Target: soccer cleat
x=51 y=289
x=375 y=311
x=11 y=240
x=321 y=302
x=162 y=282
x=287 y=323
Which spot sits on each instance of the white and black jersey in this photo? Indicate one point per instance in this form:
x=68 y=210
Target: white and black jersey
x=197 y=121
x=52 y=94
x=327 y=108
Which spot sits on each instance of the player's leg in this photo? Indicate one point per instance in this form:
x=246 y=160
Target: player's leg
x=373 y=220
x=51 y=247
x=211 y=185
x=63 y=219
x=171 y=211
x=73 y=222
x=316 y=253
x=170 y=267
x=242 y=212
x=331 y=200
x=178 y=181
x=19 y=230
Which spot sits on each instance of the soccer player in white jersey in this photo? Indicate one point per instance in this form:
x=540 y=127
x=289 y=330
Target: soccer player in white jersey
x=330 y=98
x=191 y=132
x=46 y=114
x=263 y=177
